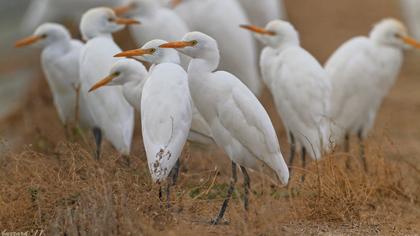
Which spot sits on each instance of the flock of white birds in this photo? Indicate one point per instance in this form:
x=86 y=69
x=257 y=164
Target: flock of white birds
x=204 y=81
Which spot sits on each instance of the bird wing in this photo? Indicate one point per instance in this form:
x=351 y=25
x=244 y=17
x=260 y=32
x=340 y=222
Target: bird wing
x=166 y=117
x=246 y=119
x=301 y=92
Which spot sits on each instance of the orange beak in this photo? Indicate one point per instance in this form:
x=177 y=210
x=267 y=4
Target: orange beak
x=28 y=41
x=124 y=9
x=125 y=21
x=177 y=44
x=175 y=3
x=135 y=52
x=102 y=82
x=257 y=30
x=410 y=41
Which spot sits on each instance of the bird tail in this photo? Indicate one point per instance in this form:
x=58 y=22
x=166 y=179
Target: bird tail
x=277 y=163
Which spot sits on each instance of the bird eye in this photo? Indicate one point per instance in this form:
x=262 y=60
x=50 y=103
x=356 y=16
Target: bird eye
x=194 y=42
x=152 y=50
x=396 y=35
x=117 y=73
x=110 y=19
x=43 y=36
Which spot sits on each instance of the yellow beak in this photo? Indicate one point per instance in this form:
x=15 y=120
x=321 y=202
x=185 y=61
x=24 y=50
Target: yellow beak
x=102 y=82
x=135 y=52
x=28 y=41
x=257 y=30
x=410 y=41
x=125 y=21
x=177 y=44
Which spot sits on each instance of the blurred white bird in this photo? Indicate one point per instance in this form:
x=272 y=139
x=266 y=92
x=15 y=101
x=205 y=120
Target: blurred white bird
x=300 y=88
x=200 y=131
x=158 y=22
x=40 y=11
x=411 y=14
x=239 y=123
x=263 y=11
x=111 y=112
x=220 y=20
x=60 y=63
x=362 y=71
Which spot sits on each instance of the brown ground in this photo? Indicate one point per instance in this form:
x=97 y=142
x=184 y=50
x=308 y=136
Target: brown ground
x=51 y=182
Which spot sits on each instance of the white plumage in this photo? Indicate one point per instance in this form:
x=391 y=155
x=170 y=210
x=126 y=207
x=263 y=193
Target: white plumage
x=299 y=84
x=220 y=20
x=362 y=71
x=111 y=112
x=60 y=63
x=239 y=123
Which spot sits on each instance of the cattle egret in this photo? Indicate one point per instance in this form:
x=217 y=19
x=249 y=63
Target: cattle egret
x=110 y=111
x=60 y=63
x=299 y=86
x=165 y=109
x=362 y=71
x=239 y=123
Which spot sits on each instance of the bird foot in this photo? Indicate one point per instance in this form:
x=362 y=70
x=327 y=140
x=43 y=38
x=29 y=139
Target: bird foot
x=217 y=221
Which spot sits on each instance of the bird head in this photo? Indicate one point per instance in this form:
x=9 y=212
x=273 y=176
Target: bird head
x=122 y=72
x=276 y=34
x=102 y=21
x=45 y=34
x=392 y=32
x=152 y=53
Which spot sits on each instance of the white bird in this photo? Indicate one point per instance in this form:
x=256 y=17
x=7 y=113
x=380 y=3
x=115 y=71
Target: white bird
x=60 y=63
x=157 y=21
x=411 y=14
x=238 y=121
x=166 y=113
x=263 y=11
x=40 y=11
x=220 y=20
x=200 y=131
x=111 y=112
x=299 y=85
x=362 y=71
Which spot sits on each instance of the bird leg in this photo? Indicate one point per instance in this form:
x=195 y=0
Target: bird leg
x=292 y=152
x=247 y=186
x=362 y=151
x=347 y=150
x=347 y=142
x=173 y=175
x=216 y=220
x=303 y=163
x=97 y=133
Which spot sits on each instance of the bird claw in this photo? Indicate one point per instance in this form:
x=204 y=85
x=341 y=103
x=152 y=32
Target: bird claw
x=217 y=221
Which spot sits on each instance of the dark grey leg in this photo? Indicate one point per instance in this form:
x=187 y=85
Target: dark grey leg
x=247 y=186
x=347 y=142
x=292 y=152
x=228 y=196
x=303 y=163
x=97 y=133
x=173 y=176
x=175 y=173
x=362 y=151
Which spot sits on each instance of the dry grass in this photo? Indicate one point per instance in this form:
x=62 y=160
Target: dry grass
x=54 y=183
